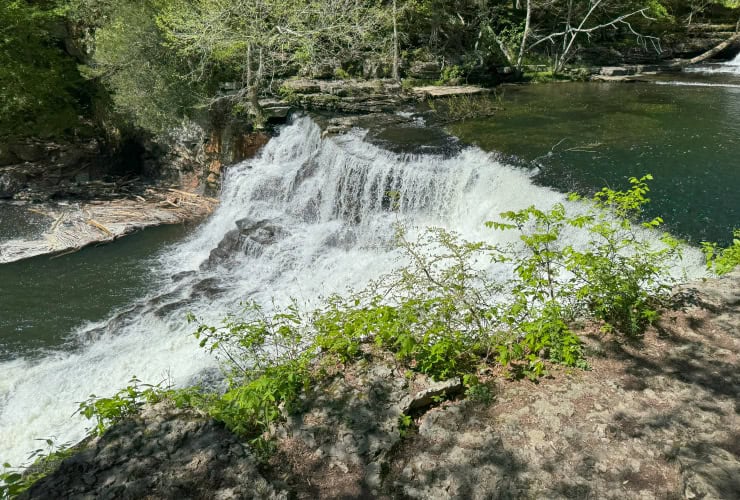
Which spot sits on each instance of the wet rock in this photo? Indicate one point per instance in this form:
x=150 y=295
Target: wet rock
x=224 y=250
x=182 y=275
x=347 y=96
x=274 y=109
x=249 y=238
x=264 y=232
x=12 y=181
x=210 y=287
x=616 y=71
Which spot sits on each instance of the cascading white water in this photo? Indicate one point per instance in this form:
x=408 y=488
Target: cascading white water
x=731 y=67
x=735 y=64
x=315 y=217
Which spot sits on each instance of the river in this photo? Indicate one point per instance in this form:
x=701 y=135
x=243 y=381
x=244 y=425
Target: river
x=86 y=323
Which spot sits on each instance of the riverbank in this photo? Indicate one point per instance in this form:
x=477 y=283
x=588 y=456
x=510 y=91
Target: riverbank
x=67 y=226
x=651 y=418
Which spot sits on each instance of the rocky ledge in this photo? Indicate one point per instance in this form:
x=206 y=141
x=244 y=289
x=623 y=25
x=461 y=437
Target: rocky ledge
x=70 y=225
x=653 y=418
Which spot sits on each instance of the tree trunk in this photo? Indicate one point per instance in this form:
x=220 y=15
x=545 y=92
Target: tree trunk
x=395 y=74
x=525 y=35
x=253 y=88
x=709 y=53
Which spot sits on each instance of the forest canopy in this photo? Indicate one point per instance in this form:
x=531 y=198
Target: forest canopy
x=151 y=63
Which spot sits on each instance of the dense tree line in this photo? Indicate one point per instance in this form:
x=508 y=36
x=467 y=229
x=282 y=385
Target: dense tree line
x=159 y=61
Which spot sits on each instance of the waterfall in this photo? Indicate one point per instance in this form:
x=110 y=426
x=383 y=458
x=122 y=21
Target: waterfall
x=310 y=216
x=734 y=64
x=728 y=67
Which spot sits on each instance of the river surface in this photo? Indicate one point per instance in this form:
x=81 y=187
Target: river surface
x=85 y=323
x=584 y=136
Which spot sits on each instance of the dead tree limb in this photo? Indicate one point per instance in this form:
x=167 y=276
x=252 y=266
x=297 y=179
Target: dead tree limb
x=709 y=53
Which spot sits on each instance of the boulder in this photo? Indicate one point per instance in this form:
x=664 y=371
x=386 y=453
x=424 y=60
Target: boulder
x=163 y=453
x=425 y=70
x=12 y=181
x=250 y=238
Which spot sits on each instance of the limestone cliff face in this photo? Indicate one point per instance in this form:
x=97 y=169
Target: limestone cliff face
x=657 y=418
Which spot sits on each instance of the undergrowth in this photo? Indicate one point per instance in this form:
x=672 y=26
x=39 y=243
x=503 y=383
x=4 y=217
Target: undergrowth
x=723 y=260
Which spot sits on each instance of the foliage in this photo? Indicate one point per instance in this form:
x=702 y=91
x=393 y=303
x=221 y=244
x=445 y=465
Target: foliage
x=107 y=411
x=40 y=87
x=451 y=75
x=146 y=81
x=546 y=77
x=618 y=276
x=16 y=480
x=405 y=423
x=723 y=260
x=251 y=42
x=464 y=107
x=267 y=363
x=623 y=275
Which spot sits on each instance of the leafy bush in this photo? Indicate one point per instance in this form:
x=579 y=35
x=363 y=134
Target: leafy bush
x=16 y=480
x=451 y=75
x=618 y=277
x=108 y=411
x=723 y=260
x=267 y=363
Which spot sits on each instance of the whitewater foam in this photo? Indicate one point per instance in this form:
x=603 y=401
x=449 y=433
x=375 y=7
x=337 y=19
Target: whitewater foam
x=732 y=67
x=679 y=83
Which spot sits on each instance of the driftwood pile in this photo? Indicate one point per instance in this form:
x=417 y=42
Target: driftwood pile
x=73 y=226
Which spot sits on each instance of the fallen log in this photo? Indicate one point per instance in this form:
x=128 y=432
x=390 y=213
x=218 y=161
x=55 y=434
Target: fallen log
x=709 y=53
x=98 y=225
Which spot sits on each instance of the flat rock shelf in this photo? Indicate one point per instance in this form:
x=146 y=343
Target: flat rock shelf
x=72 y=226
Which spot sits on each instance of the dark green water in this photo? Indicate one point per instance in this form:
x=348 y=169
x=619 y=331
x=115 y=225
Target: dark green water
x=42 y=300
x=584 y=136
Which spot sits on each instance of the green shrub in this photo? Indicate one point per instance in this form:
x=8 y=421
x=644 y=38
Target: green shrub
x=723 y=260
x=342 y=74
x=619 y=277
x=126 y=402
x=16 y=480
x=451 y=75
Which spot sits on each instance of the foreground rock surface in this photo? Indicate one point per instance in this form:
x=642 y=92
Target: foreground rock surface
x=654 y=418
x=161 y=453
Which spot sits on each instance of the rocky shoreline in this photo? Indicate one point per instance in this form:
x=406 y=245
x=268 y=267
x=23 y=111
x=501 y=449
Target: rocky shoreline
x=652 y=418
x=69 y=226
